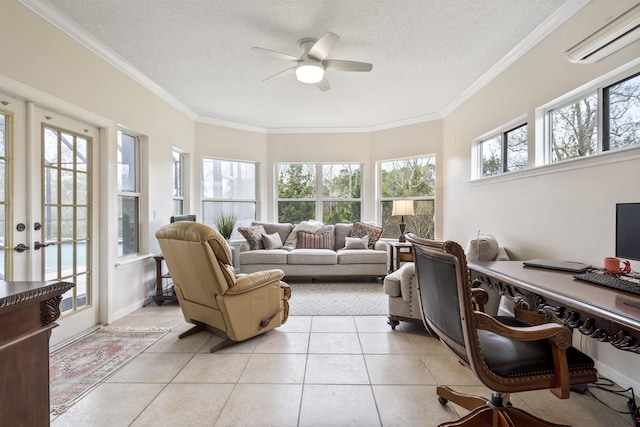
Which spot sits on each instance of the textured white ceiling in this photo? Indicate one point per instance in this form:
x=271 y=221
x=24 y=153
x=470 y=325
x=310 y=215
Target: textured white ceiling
x=426 y=54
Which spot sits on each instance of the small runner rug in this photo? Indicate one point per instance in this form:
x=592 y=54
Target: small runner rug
x=78 y=367
x=337 y=299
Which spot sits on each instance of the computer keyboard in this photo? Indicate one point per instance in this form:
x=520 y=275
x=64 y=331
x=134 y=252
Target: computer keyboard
x=609 y=281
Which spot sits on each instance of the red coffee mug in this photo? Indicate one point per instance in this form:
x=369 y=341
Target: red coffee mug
x=612 y=265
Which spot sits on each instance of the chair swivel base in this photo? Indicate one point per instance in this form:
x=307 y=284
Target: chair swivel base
x=488 y=413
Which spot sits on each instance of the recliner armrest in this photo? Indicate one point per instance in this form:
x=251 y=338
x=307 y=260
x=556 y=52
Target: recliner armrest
x=255 y=280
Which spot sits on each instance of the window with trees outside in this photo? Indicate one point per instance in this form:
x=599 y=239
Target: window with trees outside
x=128 y=193
x=504 y=152
x=575 y=127
x=177 y=180
x=228 y=191
x=327 y=192
x=414 y=179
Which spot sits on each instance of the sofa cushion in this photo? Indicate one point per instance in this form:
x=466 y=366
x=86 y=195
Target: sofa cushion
x=361 y=256
x=253 y=235
x=313 y=257
x=318 y=240
x=264 y=256
x=341 y=232
x=272 y=241
x=360 y=229
x=356 y=242
x=482 y=247
x=283 y=229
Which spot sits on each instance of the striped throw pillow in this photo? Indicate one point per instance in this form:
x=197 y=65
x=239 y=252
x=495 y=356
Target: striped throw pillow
x=323 y=240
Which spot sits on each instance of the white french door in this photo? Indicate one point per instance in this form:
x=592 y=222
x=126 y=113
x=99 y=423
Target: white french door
x=47 y=207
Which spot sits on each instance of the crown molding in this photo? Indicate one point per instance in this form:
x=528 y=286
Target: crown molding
x=559 y=17
x=59 y=20
x=86 y=39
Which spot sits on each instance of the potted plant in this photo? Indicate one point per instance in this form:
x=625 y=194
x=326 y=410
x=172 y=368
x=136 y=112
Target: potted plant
x=225 y=223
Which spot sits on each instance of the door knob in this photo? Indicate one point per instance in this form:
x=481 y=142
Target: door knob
x=21 y=248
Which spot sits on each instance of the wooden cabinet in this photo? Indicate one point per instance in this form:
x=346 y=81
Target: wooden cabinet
x=28 y=311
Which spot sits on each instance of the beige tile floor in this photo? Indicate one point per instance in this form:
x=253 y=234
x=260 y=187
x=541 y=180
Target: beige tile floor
x=312 y=371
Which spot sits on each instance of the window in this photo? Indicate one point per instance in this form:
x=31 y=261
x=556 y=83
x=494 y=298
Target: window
x=128 y=194
x=228 y=188
x=331 y=196
x=413 y=179
x=576 y=129
x=177 y=180
x=504 y=152
x=5 y=146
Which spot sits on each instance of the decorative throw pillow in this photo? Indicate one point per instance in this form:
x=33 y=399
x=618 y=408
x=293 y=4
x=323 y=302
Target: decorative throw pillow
x=482 y=247
x=356 y=242
x=253 y=235
x=272 y=241
x=360 y=229
x=322 y=240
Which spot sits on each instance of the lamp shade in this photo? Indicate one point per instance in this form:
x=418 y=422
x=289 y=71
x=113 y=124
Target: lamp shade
x=309 y=73
x=402 y=207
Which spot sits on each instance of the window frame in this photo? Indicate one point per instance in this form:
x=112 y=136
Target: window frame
x=502 y=133
x=319 y=199
x=428 y=198
x=598 y=86
x=205 y=200
x=179 y=178
x=136 y=194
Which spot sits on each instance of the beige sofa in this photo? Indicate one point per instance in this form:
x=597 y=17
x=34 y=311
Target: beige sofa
x=402 y=285
x=333 y=261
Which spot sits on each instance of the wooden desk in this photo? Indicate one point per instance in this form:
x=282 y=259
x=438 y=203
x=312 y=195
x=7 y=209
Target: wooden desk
x=162 y=293
x=400 y=252
x=601 y=313
x=28 y=311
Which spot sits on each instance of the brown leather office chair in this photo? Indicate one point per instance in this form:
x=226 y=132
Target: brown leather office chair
x=506 y=354
x=209 y=292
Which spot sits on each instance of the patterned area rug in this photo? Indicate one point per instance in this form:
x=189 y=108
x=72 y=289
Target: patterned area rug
x=78 y=367
x=337 y=299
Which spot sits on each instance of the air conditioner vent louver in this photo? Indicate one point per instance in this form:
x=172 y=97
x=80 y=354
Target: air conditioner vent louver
x=620 y=32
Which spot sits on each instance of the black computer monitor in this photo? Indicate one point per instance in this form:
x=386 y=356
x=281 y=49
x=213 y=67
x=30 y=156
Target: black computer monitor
x=177 y=218
x=628 y=231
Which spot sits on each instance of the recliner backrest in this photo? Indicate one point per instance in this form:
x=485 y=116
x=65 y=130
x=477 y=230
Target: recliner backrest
x=199 y=260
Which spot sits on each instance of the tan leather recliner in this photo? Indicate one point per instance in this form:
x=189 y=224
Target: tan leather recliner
x=209 y=292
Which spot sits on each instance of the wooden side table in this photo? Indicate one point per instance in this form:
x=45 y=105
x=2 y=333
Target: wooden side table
x=162 y=293
x=400 y=252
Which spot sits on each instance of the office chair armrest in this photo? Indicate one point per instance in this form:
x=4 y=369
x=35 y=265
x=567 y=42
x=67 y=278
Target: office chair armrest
x=558 y=335
x=255 y=280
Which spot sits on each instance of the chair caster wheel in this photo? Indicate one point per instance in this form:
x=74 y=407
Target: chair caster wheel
x=442 y=401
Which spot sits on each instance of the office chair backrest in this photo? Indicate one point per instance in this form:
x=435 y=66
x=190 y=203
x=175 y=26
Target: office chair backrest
x=440 y=274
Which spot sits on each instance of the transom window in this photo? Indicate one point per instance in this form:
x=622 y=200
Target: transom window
x=327 y=192
x=412 y=179
x=577 y=129
x=504 y=151
x=228 y=189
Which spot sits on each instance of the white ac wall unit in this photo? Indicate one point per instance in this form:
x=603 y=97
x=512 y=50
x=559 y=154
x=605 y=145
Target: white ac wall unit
x=615 y=35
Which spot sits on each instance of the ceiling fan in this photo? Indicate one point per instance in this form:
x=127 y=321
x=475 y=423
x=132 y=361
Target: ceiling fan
x=311 y=65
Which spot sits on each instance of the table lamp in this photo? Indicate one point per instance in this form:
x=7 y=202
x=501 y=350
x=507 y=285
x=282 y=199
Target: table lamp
x=402 y=208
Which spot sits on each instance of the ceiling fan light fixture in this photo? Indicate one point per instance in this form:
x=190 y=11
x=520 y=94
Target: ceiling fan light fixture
x=309 y=73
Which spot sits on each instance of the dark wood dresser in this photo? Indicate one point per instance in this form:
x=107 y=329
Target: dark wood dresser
x=28 y=311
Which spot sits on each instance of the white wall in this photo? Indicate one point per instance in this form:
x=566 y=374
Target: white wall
x=561 y=213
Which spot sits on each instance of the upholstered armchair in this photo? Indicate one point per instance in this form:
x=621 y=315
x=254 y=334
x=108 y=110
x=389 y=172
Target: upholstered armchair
x=209 y=292
x=401 y=286
x=506 y=354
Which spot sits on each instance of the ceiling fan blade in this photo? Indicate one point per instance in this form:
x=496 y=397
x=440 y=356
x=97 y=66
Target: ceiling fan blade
x=283 y=73
x=323 y=84
x=323 y=46
x=342 y=65
x=278 y=55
